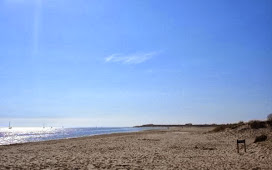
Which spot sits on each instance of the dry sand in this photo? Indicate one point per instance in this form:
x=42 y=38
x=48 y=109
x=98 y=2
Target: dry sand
x=175 y=148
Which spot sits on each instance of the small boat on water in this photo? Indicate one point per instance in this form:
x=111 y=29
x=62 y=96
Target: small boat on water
x=10 y=127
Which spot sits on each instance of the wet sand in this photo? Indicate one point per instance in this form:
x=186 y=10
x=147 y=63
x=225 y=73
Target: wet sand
x=174 y=148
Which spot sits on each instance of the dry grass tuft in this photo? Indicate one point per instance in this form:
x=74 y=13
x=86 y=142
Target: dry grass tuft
x=221 y=128
x=255 y=124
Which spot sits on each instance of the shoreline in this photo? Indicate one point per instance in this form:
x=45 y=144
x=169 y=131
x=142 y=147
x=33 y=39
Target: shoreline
x=173 y=148
x=89 y=133
x=80 y=137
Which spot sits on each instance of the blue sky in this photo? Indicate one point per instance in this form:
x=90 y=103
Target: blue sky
x=125 y=63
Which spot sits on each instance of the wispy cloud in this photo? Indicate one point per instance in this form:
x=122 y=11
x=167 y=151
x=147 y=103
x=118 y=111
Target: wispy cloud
x=130 y=58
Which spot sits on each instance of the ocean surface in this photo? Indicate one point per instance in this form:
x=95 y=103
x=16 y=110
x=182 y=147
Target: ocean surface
x=34 y=134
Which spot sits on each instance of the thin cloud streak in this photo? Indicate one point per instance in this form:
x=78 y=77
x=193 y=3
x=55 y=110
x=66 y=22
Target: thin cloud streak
x=131 y=58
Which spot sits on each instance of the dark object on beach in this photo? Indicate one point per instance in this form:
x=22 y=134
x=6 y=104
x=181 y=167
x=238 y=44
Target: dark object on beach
x=241 y=141
x=260 y=138
x=255 y=124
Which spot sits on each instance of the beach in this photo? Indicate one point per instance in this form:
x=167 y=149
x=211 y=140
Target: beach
x=173 y=148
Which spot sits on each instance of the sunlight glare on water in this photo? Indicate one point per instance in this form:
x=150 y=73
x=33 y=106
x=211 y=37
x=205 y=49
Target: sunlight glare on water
x=24 y=134
x=34 y=134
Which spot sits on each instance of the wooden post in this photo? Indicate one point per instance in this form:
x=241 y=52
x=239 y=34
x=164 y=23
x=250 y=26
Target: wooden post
x=245 y=145
x=237 y=146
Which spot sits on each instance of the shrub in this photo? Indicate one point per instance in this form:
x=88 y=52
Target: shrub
x=257 y=124
x=260 y=138
x=219 y=128
x=241 y=123
x=269 y=122
x=269 y=117
x=233 y=126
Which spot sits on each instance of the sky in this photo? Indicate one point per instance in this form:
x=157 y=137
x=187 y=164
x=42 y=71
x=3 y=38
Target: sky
x=124 y=63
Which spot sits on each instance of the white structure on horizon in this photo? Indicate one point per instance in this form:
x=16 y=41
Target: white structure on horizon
x=10 y=125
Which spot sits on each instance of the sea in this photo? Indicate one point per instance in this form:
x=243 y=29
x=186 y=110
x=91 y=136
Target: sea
x=35 y=134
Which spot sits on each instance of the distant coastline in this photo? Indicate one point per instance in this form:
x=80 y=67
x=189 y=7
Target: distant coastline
x=178 y=125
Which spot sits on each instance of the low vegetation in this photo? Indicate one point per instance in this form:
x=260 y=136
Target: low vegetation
x=269 y=123
x=269 y=117
x=223 y=127
x=255 y=124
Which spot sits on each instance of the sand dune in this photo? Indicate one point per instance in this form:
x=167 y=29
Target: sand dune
x=156 y=149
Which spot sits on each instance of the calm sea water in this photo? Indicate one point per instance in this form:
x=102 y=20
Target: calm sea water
x=33 y=134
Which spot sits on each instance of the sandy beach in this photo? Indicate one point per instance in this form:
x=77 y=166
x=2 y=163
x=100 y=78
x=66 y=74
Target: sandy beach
x=174 y=148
